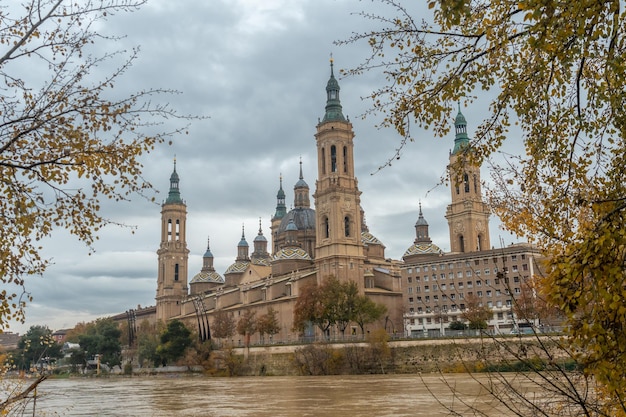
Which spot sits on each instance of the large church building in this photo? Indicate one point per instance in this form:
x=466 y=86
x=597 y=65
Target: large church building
x=307 y=246
x=423 y=292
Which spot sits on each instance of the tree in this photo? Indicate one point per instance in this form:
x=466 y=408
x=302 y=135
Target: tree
x=35 y=346
x=268 y=323
x=68 y=138
x=102 y=337
x=174 y=341
x=223 y=325
x=367 y=311
x=457 y=325
x=247 y=324
x=555 y=71
x=476 y=313
x=319 y=305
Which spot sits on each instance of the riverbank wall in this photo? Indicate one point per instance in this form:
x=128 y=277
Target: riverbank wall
x=399 y=357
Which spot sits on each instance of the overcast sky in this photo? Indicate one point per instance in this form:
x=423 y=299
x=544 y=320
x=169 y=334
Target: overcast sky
x=258 y=71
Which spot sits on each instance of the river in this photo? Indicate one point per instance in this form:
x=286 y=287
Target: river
x=320 y=396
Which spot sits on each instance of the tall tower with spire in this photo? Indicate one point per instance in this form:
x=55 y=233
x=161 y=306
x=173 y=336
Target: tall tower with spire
x=172 y=253
x=467 y=215
x=281 y=210
x=339 y=249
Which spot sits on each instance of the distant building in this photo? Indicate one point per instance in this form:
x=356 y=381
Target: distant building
x=9 y=340
x=437 y=284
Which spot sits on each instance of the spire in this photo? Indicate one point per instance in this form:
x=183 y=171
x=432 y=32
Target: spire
x=207 y=259
x=173 y=197
x=301 y=192
x=242 y=247
x=333 y=105
x=421 y=229
x=281 y=209
x=461 y=139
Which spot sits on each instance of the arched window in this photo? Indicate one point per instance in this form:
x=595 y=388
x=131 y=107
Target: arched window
x=333 y=159
x=169 y=229
x=323 y=161
x=466 y=182
x=177 y=229
x=176 y=272
x=346 y=225
x=479 y=243
x=461 y=244
x=345 y=159
x=326 y=228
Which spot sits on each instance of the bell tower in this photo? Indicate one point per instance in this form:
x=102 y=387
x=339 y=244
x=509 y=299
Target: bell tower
x=339 y=249
x=173 y=253
x=468 y=215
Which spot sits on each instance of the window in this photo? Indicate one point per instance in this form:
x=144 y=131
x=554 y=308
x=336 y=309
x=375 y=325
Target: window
x=426 y=288
x=333 y=159
x=517 y=290
x=488 y=293
x=514 y=268
x=326 y=227
x=443 y=287
x=435 y=298
x=524 y=267
x=345 y=159
x=479 y=293
x=410 y=290
x=508 y=303
x=452 y=285
x=411 y=300
x=425 y=278
x=417 y=269
x=468 y=273
x=486 y=271
x=460 y=285
x=490 y=304
x=409 y=280
x=514 y=257
x=459 y=274
x=418 y=289
x=426 y=268
x=176 y=272
x=346 y=226
x=419 y=310
x=469 y=284
x=451 y=275
x=411 y=310
x=498 y=293
x=477 y=272
x=427 y=298
x=452 y=296
x=435 y=287
x=500 y=316
x=433 y=268
x=479 y=283
x=442 y=276
x=417 y=279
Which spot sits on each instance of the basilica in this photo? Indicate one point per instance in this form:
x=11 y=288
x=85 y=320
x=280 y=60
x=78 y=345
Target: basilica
x=311 y=242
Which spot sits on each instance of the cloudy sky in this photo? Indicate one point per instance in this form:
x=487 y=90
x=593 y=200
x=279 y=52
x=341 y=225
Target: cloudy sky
x=258 y=71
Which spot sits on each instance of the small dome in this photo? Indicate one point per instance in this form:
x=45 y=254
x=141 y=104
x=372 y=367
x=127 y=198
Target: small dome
x=211 y=276
x=369 y=239
x=301 y=184
x=237 y=267
x=423 y=249
x=303 y=218
x=260 y=238
x=460 y=119
x=291 y=253
x=243 y=242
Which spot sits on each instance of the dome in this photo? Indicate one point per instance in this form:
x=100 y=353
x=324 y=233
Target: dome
x=303 y=218
x=291 y=253
x=237 y=268
x=260 y=238
x=210 y=276
x=423 y=249
x=261 y=261
x=369 y=239
x=301 y=184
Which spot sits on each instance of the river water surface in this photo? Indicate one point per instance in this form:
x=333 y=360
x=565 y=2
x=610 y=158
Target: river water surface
x=320 y=396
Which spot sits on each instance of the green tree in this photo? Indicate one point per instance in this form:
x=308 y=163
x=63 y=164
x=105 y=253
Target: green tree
x=174 y=341
x=147 y=343
x=555 y=71
x=457 y=325
x=35 y=346
x=102 y=337
x=367 y=311
x=268 y=323
x=70 y=139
